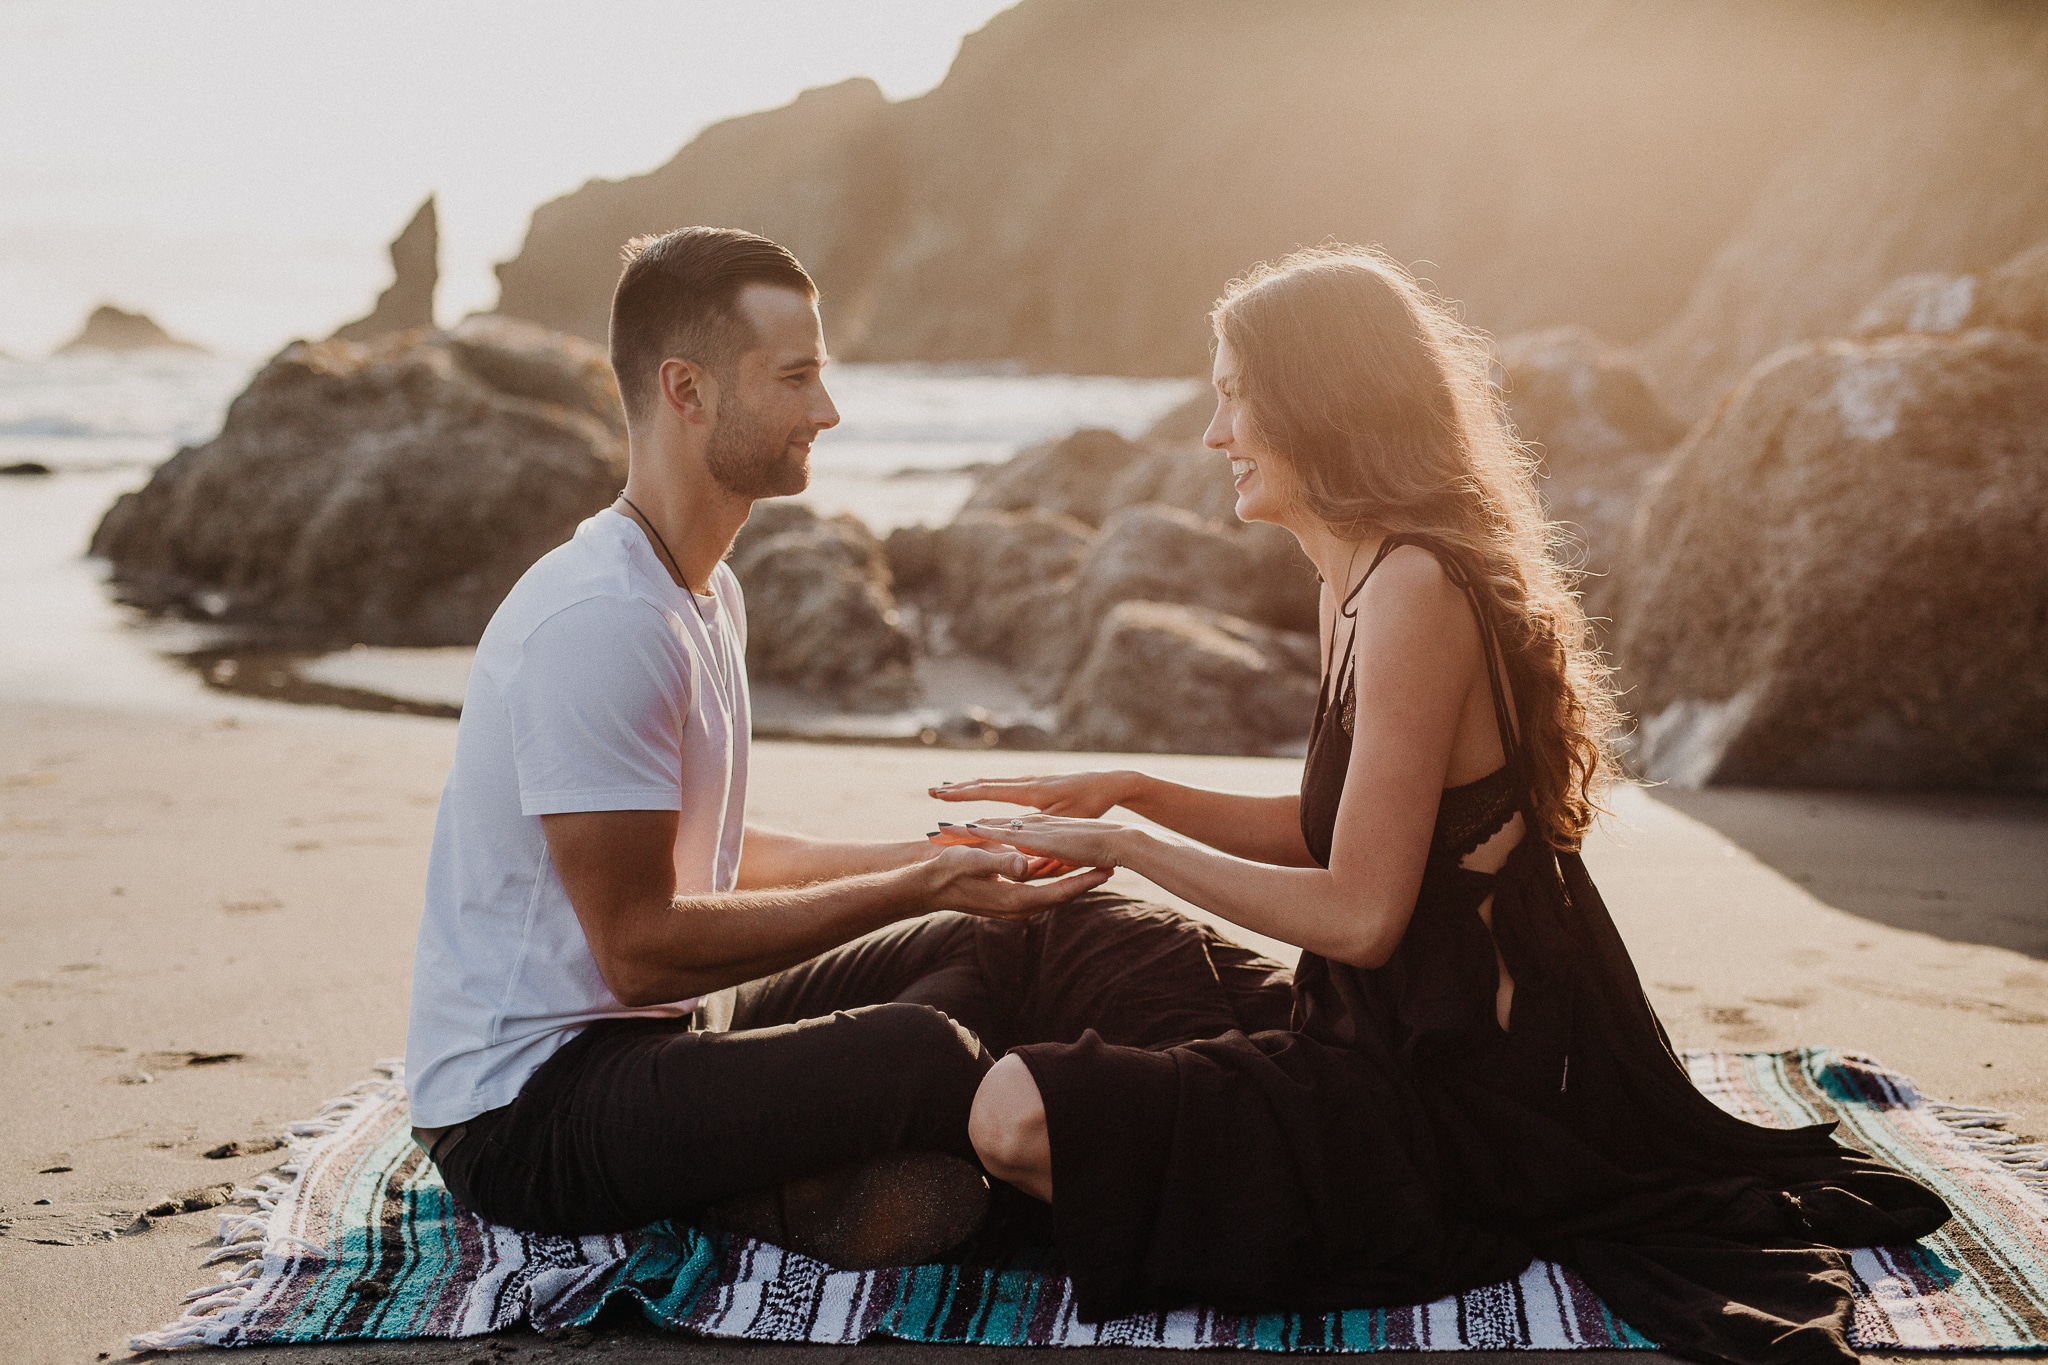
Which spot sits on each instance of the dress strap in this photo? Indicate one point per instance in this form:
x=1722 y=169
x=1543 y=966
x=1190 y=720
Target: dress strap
x=1489 y=640
x=1347 y=612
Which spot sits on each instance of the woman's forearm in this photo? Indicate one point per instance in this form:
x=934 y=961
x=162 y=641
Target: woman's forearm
x=1304 y=906
x=1263 y=829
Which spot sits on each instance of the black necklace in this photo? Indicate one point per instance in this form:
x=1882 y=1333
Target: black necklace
x=655 y=531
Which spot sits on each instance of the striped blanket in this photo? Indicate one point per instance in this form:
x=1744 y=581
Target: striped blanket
x=356 y=1237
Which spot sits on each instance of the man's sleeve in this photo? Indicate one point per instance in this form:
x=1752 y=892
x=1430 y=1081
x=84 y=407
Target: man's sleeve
x=597 y=706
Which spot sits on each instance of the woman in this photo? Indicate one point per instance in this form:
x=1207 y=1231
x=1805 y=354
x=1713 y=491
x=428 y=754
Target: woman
x=1473 y=1076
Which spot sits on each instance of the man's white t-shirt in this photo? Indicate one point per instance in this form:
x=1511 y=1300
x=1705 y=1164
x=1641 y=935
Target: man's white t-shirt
x=598 y=685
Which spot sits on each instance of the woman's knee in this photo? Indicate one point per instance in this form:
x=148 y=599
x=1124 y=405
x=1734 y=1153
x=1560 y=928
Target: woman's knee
x=1007 y=1125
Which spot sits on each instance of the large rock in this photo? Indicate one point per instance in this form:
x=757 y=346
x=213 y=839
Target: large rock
x=416 y=269
x=1075 y=192
x=823 y=176
x=1164 y=678
x=1926 y=153
x=1148 y=552
x=1006 y=575
x=1841 y=581
x=1927 y=302
x=1180 y=476
x=390 y=493
x=1071 y=476
x=1582 y=402
x=2015 y=295
x=820 y=613
x=1601 y=432
x=108 y=328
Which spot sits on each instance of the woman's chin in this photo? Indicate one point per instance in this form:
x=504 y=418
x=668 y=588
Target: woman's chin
x=1251 y=507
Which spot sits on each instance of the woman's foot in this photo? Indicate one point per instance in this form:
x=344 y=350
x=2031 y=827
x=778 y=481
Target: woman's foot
x=904 y=1208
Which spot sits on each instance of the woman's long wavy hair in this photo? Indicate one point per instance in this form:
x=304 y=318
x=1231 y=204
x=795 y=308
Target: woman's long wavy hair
x=1378 y=397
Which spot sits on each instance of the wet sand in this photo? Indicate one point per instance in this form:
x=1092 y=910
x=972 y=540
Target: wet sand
x=220 y=895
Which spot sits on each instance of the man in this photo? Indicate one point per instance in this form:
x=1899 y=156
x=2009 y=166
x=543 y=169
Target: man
x=627 y=1004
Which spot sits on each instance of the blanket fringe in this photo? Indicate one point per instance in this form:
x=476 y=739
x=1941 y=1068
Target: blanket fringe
x=245 y=1233
x=1981 y=1132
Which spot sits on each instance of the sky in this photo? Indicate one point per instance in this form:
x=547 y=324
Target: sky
x=236 y=169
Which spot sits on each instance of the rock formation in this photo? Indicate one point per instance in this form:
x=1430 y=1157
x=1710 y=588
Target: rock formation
x=1601 y=432
x=1160 y=678
x=1070 y=476
x=997 y=578
x=2015 y=295
x=1078 y=189
x=1927 y=302
x=1929 y=156
x=1842 y=579
x=1582 y=402
x=823 y=176
x=820 y=615
x=416 y=269
x=390 y=493
x=108 y=328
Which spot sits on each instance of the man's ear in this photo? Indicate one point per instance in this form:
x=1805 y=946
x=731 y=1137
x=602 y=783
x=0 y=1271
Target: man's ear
x=688 y=390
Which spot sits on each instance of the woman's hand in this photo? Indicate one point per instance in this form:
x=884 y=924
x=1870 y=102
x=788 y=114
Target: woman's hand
x=951 y=835
x=1078 y=843
x=1083 y=795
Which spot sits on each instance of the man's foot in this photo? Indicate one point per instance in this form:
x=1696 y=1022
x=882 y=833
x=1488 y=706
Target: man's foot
x=901 y=1209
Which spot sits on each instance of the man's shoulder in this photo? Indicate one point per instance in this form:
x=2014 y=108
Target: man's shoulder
x=583 y=586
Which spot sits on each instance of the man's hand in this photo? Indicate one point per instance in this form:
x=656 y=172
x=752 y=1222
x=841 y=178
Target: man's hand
x=993 y=883
x=652 y=946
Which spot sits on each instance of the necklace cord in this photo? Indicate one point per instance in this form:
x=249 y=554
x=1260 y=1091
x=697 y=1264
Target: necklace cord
x=655 y=531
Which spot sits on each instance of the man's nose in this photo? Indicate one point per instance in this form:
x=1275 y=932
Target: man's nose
x=823 y=414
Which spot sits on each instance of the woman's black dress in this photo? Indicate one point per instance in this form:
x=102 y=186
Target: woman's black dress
x=1396 y=1144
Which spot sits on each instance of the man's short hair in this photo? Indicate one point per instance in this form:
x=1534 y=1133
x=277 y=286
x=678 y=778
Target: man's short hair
x=678 y=297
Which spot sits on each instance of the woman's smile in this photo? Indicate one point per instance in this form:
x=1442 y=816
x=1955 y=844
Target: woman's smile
x=1241 y=469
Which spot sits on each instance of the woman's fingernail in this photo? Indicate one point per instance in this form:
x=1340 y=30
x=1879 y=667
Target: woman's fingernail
x=945 y=824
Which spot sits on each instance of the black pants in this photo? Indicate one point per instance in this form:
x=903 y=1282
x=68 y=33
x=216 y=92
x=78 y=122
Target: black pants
x=874 y=1047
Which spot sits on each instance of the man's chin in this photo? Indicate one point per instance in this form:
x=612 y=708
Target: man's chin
x=795 y=479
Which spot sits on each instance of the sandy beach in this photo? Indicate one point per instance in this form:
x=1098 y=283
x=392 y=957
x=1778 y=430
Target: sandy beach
x=207 y=911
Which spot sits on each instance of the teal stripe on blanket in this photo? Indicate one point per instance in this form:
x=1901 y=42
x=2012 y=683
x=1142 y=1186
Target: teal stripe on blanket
x=355 y=1237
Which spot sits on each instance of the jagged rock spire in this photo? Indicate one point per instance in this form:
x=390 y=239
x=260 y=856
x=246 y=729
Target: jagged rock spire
x=416 y=265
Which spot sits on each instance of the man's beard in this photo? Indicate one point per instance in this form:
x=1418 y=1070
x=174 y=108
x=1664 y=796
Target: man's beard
x=749 y=459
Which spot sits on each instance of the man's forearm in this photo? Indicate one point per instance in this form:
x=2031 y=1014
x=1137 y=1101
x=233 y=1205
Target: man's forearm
x=706 y=943
x=772 y=858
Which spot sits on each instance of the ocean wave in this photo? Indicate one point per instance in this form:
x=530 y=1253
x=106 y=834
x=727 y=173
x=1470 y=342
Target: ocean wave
x=39 y=424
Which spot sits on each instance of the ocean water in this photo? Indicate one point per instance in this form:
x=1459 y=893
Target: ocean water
x=908 y=438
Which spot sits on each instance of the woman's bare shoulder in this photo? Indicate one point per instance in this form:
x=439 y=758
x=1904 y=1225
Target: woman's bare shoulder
x=1412 y=597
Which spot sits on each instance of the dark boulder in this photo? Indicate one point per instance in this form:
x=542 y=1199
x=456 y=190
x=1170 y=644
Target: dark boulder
x=1166 y=678
x=1069 y=477
x=820 y=613
x=416 y=269
x=390 y=493
x=1843 y=578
